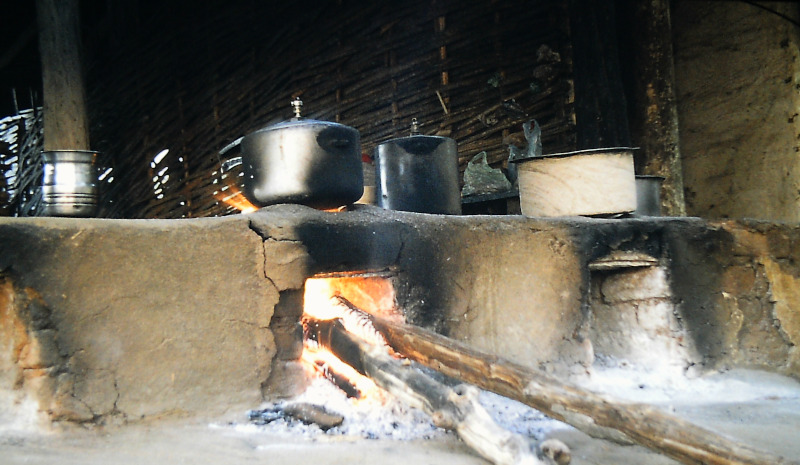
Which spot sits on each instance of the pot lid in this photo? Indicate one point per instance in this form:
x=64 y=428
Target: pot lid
x=300 y=121
x=415 y=135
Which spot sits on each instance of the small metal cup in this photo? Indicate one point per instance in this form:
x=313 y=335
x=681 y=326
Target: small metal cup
x=69 y=184
x=648 y=195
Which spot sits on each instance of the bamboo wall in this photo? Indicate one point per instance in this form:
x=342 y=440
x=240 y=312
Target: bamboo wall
x=192 y=80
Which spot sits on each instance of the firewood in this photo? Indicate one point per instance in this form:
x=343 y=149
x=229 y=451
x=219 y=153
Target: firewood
x=455 y=409
x=596 y=415
x=310 y=413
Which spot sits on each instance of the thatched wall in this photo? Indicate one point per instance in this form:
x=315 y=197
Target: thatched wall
x=192 y=79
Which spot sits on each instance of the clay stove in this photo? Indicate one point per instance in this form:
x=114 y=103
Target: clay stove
x=216 y=301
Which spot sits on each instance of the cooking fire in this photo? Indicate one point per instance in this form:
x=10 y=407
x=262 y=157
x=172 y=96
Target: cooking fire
x=342 y=344
x=355 y=337
x=324 y=300
x=340 y=373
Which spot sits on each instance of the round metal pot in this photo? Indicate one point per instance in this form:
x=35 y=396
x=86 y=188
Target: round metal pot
x=69 y=183
x=304 y=161
x=418 y=174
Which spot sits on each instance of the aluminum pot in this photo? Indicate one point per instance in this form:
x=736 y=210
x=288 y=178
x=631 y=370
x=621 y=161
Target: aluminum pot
x=418 y=174
x=304 y=161
x=69 y=183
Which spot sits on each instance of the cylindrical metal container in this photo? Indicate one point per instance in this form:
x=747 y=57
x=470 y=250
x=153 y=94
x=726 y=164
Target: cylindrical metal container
x=418 y=174
x=69 y=184
x=310 y=162
x=648 y=195
x=594 y=182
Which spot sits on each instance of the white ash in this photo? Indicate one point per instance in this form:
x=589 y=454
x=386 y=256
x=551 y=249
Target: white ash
x=371 y=418
x=388 y=418
x=518 y=417
x=639 y=383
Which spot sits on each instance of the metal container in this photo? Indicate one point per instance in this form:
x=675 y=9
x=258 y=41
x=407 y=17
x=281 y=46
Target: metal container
x=304 y=161
x=648 y=195
x=594 y=182
x=418 y=174
x=69 y=184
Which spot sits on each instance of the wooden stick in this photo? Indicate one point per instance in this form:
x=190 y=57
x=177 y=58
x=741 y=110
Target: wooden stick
x=596 y=415
x=454 y=409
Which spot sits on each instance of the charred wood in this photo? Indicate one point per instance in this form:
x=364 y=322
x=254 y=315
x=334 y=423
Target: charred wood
x=596 y=415
x=309 y=413
x=455 y=409
x=303 y=412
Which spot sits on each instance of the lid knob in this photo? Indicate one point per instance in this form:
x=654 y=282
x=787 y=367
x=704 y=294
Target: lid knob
x=296 y=105
x=414 y=127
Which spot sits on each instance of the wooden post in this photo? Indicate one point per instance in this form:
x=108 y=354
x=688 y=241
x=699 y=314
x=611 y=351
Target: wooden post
x=64 y=97
x=596 y=415
x=654 y=109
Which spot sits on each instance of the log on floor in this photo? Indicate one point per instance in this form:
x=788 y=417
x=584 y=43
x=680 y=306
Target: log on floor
x=454 y=409
x=596 y=415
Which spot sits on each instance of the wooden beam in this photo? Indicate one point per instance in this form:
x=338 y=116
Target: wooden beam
x=653 y=107
x=597 y=415
x=66 y=124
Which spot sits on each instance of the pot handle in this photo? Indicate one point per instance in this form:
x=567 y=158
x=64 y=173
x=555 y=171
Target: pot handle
x=339 y=143
x=336 y=139
x=232 y=161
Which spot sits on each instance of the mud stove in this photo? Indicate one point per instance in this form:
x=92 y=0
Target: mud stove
x=123 y=321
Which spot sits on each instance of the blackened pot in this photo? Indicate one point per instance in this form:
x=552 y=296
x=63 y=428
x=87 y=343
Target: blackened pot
x=304 y=161
x=418 y=174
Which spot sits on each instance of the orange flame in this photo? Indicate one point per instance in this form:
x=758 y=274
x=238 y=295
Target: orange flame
x=340 y=209
x=233 y=197
x=321 y=359
x=373 y=294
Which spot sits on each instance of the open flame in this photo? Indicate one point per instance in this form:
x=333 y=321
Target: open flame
x=326 y=364
x=374 y=294
x=233 y=197
x=370 y=292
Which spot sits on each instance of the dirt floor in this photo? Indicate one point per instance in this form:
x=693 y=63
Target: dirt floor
x=759 y=409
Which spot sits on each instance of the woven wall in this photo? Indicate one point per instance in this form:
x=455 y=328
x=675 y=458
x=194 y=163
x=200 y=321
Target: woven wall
x=192 y=79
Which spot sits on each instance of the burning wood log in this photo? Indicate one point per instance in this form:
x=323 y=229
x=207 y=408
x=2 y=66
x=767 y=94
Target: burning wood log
x=454 y=409
x=596 y=415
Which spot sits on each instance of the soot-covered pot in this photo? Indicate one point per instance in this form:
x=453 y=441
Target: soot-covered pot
x=418 y=173
x=304 y=161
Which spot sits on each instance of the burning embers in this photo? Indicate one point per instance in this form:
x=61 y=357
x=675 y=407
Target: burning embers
x=342 y=374
x=334 y=322
x=352 y=347
x=347 y=298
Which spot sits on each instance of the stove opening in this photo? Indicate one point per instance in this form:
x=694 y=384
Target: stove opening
x=352 y=298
